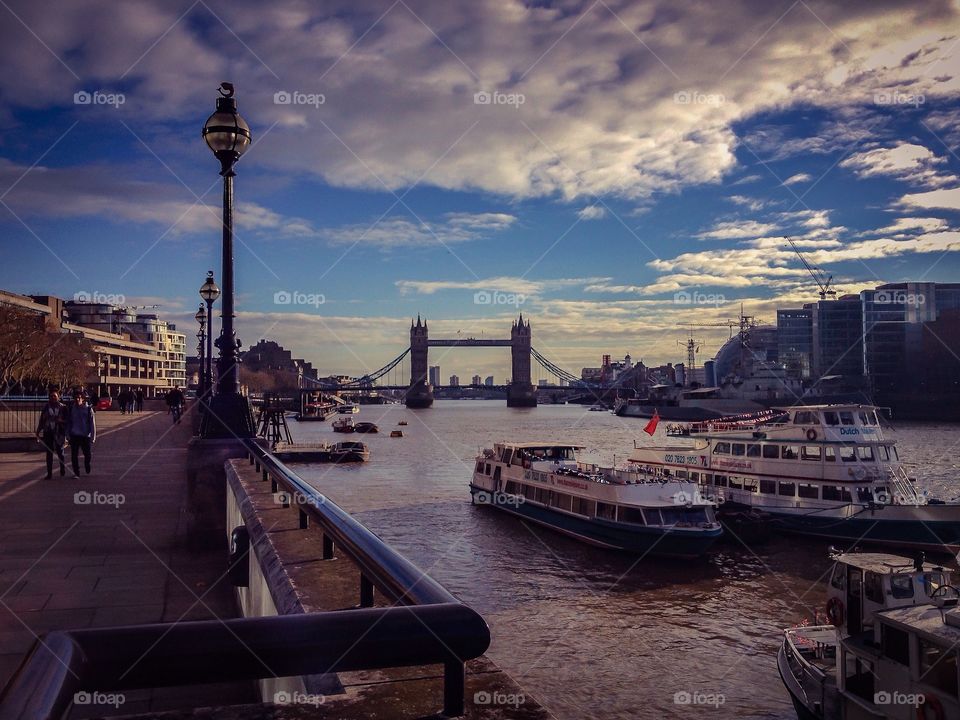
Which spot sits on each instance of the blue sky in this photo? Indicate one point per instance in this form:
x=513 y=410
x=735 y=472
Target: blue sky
x=615 y=170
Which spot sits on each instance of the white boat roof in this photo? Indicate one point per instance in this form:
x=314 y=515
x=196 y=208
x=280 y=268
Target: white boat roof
x=882 y=563
x=829 y=406
x=527 y=445
x=928 y=620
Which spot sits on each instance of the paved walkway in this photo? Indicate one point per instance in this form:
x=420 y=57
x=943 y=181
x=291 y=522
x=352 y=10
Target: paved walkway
x=108 y=549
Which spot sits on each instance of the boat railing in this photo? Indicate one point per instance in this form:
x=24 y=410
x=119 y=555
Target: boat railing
x=904 y=488
x=812 y=680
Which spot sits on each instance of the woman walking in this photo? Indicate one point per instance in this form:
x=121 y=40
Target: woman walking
x=82 y=431
x=51 y=430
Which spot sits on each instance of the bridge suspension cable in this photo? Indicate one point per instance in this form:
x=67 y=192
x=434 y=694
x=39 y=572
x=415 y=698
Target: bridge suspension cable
x=556 y=370
x=367 y=379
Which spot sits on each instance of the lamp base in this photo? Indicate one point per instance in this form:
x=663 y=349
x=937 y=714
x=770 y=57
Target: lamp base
x=227 y=416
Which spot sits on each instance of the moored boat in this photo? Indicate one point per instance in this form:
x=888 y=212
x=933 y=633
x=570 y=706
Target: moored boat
x=349 y=451
x=607 y=507
x=366 y=427
x=348 y=409
x=344 y=425
x=824 y=470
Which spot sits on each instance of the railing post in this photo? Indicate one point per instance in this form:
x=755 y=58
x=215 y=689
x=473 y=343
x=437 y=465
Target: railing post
x=273 y=485
x=454 y=687
x=304 y=520
x=264 y=476
x=258 y=466
x=327 y=547
x=366 y=592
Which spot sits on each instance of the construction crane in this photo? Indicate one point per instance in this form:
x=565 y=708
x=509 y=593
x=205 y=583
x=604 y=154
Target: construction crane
x=821 y=278
x=693 y=347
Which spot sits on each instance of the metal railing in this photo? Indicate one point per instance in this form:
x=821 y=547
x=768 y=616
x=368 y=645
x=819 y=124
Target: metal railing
x=425 y=625
x=19 y=415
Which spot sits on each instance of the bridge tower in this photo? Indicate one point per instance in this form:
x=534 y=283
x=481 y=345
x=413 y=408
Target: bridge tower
x=419 y=394
x=521 y=392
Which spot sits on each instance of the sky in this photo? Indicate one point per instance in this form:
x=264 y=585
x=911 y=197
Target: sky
x=620 y=172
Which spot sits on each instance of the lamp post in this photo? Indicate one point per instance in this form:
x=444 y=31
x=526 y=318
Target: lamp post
x=209 y=292
x=201 y=318
x=228 y=136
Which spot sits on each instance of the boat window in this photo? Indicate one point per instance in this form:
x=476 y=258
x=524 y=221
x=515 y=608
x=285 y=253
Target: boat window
x=831 y=492
x=753 y=450
x=808 y=490
x=736 y=483
x=695 y=477
x=839 y=576
x=864 y=494
x=750 y=484
x=865 y=452
x=829 y=454
x=901 y=586
x=811 y=452
x=511 y=488
x=872 y=418
x=788 y=489
x=846 y=418
x=652 y=516
x=738 y=449
x=606 y=511
x=530 y=492
x=720 y=480
x=895 y=644
x=802 y=418
x=487 y=470
x=682 y=474
x=560 y=500
x=479 y=467
x=847 y=453
x=893 y=452
x=771 y=451
x=542 y=496
x=583 y=506
x=768 y=487
x=508 y=456
x=931 y=581
x=873 y=587
x=790 y=452
x=863 y=418
x=631 y=515
x=938 y=667
x=721 y=448
x=831 y=418
x=882 y=450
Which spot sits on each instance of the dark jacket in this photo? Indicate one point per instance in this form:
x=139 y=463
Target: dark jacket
x=174 y=398
x=53 y=419
x=81 y=422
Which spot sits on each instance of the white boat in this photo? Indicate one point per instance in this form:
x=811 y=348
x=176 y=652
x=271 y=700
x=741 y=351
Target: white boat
x=348 y=409
x=878 y=658
x=824 y=470
x=607 y=507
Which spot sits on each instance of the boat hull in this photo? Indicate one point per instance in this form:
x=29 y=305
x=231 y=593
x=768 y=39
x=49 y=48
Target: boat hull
x=793 y=688
x=933 y=528
x=639 y=540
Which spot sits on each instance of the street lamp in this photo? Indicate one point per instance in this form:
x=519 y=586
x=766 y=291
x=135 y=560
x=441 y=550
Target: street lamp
x=201 y=318
x=209 y=292
x=228 y=136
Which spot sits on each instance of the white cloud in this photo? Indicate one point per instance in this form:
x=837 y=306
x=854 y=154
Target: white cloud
x=912 y=163
x=798 y=178
x=508 y=284
x=947 y=198
x=592 y=212
x=394 y=232
x=736 y=229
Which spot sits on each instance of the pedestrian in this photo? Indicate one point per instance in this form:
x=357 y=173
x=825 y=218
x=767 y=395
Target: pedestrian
x=94 y=398
x=51 y=431
x=175 y=400
x=82 y=431
x=139 y=397
x=122 y=401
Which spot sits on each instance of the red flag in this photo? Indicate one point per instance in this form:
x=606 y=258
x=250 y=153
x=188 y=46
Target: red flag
x=651 y=427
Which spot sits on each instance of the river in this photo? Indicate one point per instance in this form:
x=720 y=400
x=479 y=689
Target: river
x=592 y=633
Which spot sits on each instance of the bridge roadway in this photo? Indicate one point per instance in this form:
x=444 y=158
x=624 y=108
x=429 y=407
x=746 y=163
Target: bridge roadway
x=470 y=342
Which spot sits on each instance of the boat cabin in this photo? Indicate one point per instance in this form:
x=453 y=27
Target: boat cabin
x=863 y=584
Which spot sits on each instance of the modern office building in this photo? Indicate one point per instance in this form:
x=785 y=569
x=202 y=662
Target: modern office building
x=837 y=332
x=455 y=381
x=795 y=341
x=434 y=375
x=489 y=381
x=476 y=380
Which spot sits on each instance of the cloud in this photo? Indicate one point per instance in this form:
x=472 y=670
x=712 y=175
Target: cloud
x=394 y=232
x=738 y=229
x=592 y=212
x=908 y=162
x=508 y=284
x=948 y=199
x=798 y=178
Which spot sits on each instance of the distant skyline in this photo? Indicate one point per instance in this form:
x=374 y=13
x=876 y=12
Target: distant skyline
x=615 y=170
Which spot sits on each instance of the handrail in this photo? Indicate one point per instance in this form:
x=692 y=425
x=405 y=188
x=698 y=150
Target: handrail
x=427 y=625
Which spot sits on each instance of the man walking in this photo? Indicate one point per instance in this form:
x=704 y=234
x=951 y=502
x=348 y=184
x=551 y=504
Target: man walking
x=175 y=400
x=82 y=431
x=51 y=430
x=138 y=394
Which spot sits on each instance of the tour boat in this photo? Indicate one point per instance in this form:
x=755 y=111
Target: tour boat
x=348 y=409
x=349 y=452
x=344 y=425
x=396 y=433
x=822 y=470
x=365 y=427
x=607 y=507
x=862 y=664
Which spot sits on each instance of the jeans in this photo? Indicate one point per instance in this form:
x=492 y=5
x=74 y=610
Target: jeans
x=78 y=443
x=177 y=410
x=53 y=443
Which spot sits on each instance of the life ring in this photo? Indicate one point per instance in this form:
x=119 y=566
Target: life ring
x=835 y=611
x=934 y=704
x=811 y=434
x=859 y=472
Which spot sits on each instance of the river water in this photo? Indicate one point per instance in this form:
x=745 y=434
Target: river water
x=592 y=633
